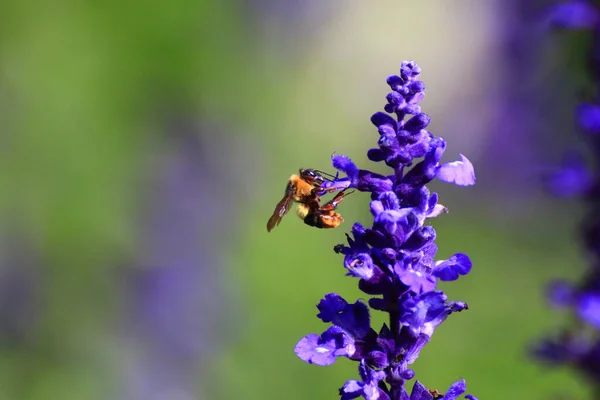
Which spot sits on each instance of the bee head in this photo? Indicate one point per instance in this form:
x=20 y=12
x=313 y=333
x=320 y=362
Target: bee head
x=310 y=175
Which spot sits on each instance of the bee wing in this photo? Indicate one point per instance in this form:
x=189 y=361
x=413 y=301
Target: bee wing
x=280 y=210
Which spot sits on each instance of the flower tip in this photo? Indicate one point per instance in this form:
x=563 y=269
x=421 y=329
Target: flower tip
x=455 y=390
x=380 y=118
x=345 y=164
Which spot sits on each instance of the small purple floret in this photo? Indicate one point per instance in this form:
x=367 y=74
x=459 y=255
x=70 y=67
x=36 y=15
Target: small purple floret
x=324 y=350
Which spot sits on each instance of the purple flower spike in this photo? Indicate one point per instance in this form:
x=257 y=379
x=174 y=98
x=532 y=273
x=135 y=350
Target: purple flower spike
x=394 y=258
x=577 y=344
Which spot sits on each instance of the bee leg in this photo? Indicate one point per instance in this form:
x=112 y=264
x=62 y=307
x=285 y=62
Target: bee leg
x=319 y=191
x=328 y=189
x=332 y=205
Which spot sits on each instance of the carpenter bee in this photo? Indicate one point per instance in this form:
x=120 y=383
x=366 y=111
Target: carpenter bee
x=305 y=189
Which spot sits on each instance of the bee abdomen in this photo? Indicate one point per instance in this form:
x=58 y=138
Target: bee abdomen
x=323 y=221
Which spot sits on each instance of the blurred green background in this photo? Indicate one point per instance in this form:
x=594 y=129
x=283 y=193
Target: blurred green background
x=145 y=144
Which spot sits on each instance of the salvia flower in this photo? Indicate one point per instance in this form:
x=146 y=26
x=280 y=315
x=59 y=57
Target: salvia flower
x=578 y=344
x=394 y=259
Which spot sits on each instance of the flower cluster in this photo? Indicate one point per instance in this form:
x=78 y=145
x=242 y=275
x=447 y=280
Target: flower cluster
x=578 y=345
x=395 y=258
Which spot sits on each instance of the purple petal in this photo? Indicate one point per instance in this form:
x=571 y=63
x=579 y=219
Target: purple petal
x=355 y=320
x=351 y=390
x=409 y=69
x=373 y=392
x=360 y=266
x=376 y=239
x=416 y=281
x=368 y=181
x=460 y=173
x=376 y=155
x=378 y=359
x=389 y=219
x=416 y=123
x=432 y=201
x=395 y=82
x=450 y=269
x=376 y=207
x=387 y=140
x=345 y=164
x=412 y=354
x=433 y=209
x=323 y=350
x=413 y=109
x=330 y=306
x=338 y=184
x=416 y=86
x=422 y=314
x=457 y=388
x=390 y=201
x=380 y=119
x=420 y=392
x=352 y=318
x=310 y=349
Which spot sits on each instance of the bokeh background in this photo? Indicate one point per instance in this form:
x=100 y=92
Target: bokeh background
x=144 y=145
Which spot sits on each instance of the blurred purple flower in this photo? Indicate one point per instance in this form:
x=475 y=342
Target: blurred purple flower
x=395 y=258
x=176 y=289
x=572 y=178
x=578 y=344
x=20 y=296
x=573 y=14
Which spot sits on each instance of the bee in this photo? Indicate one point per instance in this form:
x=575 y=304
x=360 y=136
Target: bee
x=305 y=189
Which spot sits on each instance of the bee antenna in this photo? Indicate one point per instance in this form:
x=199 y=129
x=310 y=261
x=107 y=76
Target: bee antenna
x=325 y=173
